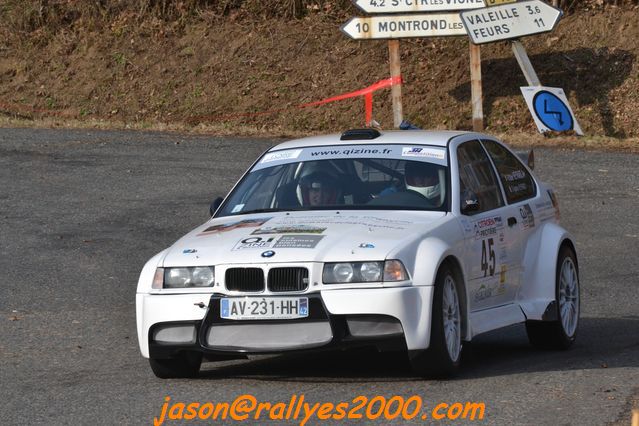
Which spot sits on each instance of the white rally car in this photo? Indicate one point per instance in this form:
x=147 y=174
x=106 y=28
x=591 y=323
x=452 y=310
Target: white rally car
x=409 y=240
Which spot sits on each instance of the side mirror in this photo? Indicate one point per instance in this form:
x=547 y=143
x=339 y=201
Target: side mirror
x=469 y=202
x=215 y=205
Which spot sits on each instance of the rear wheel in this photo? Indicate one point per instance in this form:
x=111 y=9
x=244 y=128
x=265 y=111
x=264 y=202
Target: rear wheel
x=184 y=365
x=442 y=358
x=560 y=333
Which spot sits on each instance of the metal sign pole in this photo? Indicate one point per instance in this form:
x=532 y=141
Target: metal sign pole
x=475 y=88
x=396 y=89
x=525 y=64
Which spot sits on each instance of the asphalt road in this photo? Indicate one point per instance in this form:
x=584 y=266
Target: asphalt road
x=81 y=212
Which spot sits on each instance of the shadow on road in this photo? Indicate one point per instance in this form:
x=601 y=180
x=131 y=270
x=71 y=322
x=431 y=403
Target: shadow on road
x=602 y=343
x=591 y=74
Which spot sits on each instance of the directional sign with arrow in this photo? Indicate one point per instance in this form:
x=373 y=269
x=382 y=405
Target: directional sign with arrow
x=407 y=6
x=404 y=26
x=550 y=109
x=509 y=21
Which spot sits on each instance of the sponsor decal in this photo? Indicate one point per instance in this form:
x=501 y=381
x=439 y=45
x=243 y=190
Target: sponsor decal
x=520 y=187
x=225 y=227
x=281 y=155
x=516 y=175
x=350 y=152
x=289 y=229
x=298 y=241
x=488 y=227
x=237 y=208
x=368 y=221
x=254 y=243
x=367 y=245
x=189 y=251
x=502 y=274
x=528 y=219
x=422 y=152
x=483 y=293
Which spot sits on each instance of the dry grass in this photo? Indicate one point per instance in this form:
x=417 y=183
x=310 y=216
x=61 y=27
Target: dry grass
x=31 y=15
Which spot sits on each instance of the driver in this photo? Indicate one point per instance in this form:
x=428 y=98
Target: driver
x=317 y=189
x=422 y=178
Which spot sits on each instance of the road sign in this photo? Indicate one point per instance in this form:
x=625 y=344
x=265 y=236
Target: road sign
x=550 y=109
x=508 y=21
x=496 y=2
x=404 y=26
x=404 y=6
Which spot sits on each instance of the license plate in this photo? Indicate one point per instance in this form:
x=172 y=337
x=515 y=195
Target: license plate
x=252 y=308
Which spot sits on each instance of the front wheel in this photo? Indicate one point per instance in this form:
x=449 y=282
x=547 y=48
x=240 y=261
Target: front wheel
x=560 y=333
x=184 y=365
x=442 y=358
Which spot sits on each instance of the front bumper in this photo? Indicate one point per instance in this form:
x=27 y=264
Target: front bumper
x=168 y=324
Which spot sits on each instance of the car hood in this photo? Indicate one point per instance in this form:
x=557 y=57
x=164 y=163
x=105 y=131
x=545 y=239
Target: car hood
x=321 y=236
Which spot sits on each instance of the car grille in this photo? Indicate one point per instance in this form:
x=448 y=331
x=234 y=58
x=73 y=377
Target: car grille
x=245 y=279
x=287 y=279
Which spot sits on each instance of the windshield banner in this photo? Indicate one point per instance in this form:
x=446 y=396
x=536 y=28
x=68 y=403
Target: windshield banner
x=431 y=154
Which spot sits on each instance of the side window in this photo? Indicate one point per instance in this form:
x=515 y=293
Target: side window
x=517 y=182
x=476 y=174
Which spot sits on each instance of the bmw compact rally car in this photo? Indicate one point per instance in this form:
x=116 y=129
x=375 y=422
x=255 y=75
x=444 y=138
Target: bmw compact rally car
x=402 y=239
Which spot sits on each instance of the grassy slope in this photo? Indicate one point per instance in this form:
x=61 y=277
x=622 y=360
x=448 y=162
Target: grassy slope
x=190 y=74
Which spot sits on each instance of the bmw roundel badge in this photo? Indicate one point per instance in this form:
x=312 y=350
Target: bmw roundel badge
x=268 y=253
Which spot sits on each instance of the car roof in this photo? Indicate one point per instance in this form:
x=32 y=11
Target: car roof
x=388 y=137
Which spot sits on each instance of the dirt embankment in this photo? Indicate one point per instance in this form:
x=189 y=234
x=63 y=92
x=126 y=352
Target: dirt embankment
x=207 y=72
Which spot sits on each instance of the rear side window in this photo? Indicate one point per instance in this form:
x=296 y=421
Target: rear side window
x=476 y=174
x=517 y=182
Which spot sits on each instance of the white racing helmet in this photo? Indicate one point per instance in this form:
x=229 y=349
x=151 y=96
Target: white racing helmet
x=423 y=178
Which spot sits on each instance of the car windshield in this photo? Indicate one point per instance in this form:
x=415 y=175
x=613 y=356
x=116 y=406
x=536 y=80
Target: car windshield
x=292 y=180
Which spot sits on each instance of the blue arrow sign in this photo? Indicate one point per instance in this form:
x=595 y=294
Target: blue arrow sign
x=552 y=111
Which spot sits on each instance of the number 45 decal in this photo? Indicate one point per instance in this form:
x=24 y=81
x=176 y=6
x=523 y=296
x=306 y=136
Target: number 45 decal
x=487 y=256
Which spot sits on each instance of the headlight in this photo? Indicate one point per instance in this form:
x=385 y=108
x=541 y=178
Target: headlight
x=371 y=271
x=199 y=276
x=362 y=272
x=342 y=272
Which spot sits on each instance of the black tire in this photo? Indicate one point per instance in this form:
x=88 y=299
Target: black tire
x=185 y=365
x=553 y=334
x=436 y=362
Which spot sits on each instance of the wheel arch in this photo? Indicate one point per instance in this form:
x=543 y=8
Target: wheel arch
x=455 y=264
x=426 y=261
x=537 y=292
x=567 y=242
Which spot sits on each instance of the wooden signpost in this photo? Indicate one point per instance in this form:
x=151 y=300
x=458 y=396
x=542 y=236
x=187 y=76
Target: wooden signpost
x=408 y=19
x=502 y=20
x=509 y=20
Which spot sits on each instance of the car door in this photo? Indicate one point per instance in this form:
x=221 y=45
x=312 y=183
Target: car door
x=519 y=189
x=492 y=251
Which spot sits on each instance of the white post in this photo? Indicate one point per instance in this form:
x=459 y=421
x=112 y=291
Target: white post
x=524 y=64
x=475 y=88
x=396 y=89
